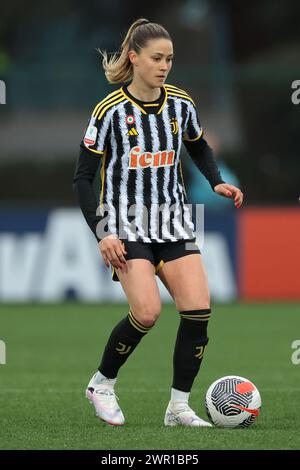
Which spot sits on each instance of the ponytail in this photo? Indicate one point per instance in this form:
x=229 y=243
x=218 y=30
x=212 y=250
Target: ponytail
x=118 y=68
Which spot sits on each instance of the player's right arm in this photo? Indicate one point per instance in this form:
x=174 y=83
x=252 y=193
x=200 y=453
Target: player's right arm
x=92 y=148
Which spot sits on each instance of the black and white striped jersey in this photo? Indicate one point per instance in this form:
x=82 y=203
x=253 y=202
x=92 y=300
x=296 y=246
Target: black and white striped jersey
x=141 y=174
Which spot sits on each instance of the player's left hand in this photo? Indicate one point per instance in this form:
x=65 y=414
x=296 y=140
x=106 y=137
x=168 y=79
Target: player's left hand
x=227 y=190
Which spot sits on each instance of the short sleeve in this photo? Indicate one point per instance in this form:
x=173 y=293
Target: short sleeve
x=193 y=129
x=97 y=132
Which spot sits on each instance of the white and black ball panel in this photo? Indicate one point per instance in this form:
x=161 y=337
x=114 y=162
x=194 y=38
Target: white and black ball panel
x=232 y=401
x=224 y=397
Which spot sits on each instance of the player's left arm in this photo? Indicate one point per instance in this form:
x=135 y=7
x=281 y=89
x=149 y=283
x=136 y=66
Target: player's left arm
x=203 y=157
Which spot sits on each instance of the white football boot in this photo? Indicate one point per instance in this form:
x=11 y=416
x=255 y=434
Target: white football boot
x=180 y=414
x=101 y=394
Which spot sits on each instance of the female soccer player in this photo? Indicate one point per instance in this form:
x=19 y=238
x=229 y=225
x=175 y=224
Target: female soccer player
x=137 y=132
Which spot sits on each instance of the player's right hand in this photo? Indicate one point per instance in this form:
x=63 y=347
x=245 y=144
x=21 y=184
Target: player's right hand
x=113 y=250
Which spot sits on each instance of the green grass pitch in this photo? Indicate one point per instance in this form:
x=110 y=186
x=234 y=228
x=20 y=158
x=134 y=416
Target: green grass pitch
x=52 y=351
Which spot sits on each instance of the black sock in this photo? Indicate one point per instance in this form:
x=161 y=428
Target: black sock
x=122 y=342
x=189 y=348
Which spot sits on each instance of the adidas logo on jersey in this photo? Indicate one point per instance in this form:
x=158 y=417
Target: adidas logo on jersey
x=148 y=159
x=132 y=131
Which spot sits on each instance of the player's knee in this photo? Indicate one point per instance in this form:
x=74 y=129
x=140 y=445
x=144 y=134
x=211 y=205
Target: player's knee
x=205 y=304
x=202 y=303
x=147 y=314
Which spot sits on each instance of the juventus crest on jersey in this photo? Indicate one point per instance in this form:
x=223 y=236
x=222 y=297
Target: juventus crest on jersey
x=142 y=188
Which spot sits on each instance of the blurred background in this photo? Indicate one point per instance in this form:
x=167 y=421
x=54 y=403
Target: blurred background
x=237 y=60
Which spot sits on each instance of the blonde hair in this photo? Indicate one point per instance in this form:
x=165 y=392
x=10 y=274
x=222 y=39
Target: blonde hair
x=118 y=68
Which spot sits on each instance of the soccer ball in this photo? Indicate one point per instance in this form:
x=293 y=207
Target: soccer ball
x=232 y=402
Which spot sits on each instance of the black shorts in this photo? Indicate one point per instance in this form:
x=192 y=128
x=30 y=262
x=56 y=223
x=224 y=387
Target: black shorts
x=158 y=253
